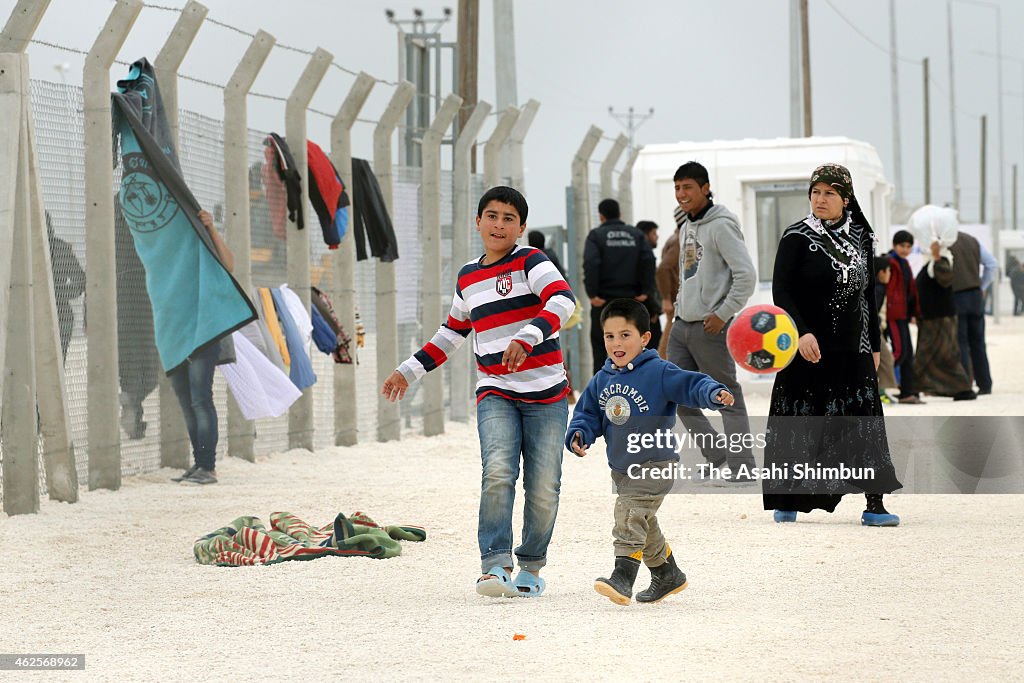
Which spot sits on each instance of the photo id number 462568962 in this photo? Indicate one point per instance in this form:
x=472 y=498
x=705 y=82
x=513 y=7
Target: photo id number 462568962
x=41 y=662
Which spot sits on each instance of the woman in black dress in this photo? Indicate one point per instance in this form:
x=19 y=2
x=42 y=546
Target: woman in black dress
x=826 y=435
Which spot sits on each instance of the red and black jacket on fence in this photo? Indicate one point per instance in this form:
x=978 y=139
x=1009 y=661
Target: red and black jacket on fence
x=327 y=194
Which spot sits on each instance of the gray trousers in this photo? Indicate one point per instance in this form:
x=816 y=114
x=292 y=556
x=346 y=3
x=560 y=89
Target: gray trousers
x=636 y=531
x=691 y=348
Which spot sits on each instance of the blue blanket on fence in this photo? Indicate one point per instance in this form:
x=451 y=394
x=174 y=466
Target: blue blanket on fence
x=195 y=300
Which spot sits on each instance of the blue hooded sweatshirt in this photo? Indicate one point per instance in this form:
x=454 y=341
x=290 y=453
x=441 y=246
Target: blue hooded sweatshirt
x=638 y=399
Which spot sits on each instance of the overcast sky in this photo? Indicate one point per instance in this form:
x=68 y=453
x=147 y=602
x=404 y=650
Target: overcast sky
x=711 y=70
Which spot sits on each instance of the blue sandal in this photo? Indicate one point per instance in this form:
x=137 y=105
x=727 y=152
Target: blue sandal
x=498 y=586
x=529 y=585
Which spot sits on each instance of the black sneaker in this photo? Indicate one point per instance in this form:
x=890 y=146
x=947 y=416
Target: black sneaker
x=186 y=474
x=200 y=477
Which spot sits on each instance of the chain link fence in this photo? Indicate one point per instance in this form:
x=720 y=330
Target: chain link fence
x=58 y=115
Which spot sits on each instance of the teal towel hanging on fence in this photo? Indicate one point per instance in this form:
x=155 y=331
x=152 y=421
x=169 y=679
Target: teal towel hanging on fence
x=195 y=299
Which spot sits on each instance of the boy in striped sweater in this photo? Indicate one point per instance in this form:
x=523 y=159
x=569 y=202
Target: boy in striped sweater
x=515 y=300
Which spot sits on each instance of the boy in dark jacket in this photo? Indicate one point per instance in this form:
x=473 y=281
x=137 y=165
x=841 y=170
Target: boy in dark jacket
x=632 y=403
x=901 y=309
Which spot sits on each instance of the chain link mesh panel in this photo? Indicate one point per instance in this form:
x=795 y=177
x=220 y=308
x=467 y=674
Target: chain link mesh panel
x=58 y=113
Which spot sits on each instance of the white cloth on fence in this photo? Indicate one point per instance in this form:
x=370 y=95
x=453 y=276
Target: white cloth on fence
x=300 y=316
x=260 y=387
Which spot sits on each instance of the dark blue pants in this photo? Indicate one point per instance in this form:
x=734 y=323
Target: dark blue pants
x=970 y=309
x=193 y=385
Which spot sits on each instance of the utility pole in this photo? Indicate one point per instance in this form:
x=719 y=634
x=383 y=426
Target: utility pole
x=984 y=175
x=419 y=61
x=795 y=128
x=506 y=94
x=466 y=57
x=1015 y=226
x=952 y=109
x=805 y=50
x=631 y=121
x=927 y=137
x=897 y=156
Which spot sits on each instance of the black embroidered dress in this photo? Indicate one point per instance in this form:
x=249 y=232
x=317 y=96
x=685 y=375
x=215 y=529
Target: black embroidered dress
x=827 y=414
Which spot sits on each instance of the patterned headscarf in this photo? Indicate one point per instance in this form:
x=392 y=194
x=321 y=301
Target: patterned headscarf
x=836 y=175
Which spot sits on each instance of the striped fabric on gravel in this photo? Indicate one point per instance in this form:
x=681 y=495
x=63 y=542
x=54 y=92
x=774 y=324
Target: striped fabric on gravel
x=247 y=541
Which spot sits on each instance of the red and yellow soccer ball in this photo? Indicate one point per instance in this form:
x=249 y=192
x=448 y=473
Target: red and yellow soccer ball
x=762 y=339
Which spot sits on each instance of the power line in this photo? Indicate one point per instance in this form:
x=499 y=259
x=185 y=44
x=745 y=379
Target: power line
x=883 y=49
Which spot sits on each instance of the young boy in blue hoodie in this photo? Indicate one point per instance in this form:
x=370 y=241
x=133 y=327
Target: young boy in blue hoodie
x=635 y=396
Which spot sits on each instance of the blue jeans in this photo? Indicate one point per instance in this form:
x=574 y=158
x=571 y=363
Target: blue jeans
x=193 y=385
x=507 y=430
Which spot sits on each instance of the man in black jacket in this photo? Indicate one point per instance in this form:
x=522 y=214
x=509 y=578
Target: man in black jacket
x=618 y=262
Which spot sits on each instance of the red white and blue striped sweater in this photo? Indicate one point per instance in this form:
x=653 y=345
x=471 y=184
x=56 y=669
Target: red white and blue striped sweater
x=522 y=298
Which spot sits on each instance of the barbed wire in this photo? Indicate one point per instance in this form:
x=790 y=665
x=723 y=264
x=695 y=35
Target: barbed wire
x=283 y=46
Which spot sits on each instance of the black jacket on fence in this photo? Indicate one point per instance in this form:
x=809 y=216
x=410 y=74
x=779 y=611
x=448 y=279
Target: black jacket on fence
x=284 y=166
x=371 y=217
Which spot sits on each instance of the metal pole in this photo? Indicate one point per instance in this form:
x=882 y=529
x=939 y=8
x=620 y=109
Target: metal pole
x=608 y=165
x=1002 y=146
x=515 y=144
x=954 y=167
x=388 y=415
x=100 y=270
x=795 y=101
x=805 y=54
x=492 y=149
x=300 y=415
x=505 y=66
x=927 y=136
x=984 y=175
x=430 y=285
x=626 y=186
x=346 y=408
x=462 y=220
x=897 y=155
x=581 y=220
x=241 y=432
x=1015 y=225
x=174 y=442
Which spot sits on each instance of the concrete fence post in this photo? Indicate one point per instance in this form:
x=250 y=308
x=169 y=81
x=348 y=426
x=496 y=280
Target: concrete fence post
x=462 y=220
x=51 y=393
x=170 y=57
x=388 y=414
x=48 y=370
x=495 y=143
x=18 y=418
x=608 y=166
x=515 y=144
x=174 y=442
x=346 y=405
x=626 y=186
x=581 y=226
x=241 y=432
x=21 y=25
x=101 y=271
x=300 y=415
x=430 y=287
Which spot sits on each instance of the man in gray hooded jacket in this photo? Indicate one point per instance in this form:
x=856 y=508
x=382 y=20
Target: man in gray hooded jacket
x=716 y=278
